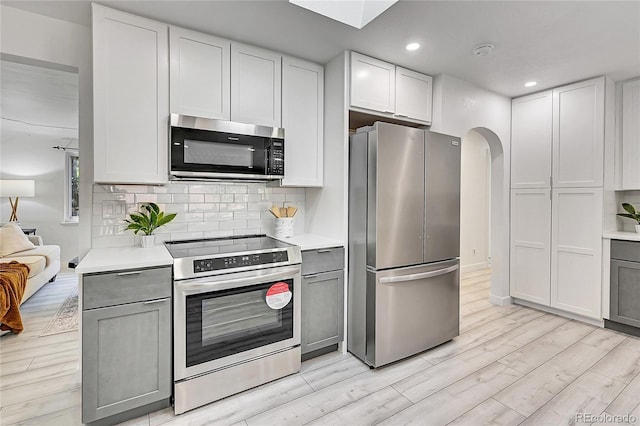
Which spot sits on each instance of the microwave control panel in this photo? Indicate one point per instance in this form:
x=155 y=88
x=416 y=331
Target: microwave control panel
x=276 y=159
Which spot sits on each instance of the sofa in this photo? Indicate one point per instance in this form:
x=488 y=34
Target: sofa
x=43 y=260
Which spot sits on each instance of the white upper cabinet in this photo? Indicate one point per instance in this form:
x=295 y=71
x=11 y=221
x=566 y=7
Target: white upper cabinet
x=531 y=128
x=302 y=119
x=576 y=251
x=413 y=95
x=631 y=135
x=578 y=134
x=531 y=244
x=389 y=90
x=131 y=98
x=373 y=83
x=256 y=81
x=200 y=74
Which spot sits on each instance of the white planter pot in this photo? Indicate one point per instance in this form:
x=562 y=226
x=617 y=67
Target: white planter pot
x=284 y=227
x=638 y=229
x=147 y=241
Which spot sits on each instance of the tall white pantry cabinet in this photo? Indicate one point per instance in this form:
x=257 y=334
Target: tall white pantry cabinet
x=557 y=169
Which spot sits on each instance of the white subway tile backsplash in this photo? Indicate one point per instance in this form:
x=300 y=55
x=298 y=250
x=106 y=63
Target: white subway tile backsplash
x=233 y=224
x=180 y=198
x=196 y=198
x=204 y=210
x=219 y=216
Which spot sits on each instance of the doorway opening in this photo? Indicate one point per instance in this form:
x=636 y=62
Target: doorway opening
x=484 y=220
x=40 y=143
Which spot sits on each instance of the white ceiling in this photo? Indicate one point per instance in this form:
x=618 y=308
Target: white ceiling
x=38 y=102
x=553 y=42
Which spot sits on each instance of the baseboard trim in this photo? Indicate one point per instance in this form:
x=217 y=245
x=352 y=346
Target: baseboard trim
x=474 y=267
x=500 y=300
x=560 y=312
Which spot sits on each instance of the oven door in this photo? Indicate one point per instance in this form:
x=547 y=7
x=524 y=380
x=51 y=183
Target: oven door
x=228 y=319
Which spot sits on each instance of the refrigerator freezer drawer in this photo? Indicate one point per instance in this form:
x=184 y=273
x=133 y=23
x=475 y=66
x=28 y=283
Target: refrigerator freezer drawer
x=410 y=310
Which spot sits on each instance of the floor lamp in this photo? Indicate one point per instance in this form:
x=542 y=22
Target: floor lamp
x=15 y=189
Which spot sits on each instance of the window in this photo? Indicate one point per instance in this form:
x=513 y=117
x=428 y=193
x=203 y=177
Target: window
x=72 y=188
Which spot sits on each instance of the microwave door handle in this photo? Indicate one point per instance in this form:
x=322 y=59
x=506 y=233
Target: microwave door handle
x=267 y=169
x=421 y=276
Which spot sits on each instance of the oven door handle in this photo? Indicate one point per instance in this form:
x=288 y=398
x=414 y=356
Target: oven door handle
x=219 y=283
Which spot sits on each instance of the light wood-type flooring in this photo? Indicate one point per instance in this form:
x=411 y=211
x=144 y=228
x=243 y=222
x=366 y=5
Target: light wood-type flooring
x=510 y=365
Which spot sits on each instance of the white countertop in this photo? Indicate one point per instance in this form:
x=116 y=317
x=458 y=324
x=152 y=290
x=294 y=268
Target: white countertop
x=119 y=258
x=621 y=235
x=311 y=241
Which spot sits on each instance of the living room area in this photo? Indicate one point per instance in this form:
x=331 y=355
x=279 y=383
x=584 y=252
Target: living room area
x=39 y=200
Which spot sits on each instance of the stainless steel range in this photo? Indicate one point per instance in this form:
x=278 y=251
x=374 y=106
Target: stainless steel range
x=236 y=316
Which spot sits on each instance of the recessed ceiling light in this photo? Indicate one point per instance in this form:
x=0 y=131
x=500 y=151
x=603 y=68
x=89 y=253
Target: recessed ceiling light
x=530 y=83
x=413 y=46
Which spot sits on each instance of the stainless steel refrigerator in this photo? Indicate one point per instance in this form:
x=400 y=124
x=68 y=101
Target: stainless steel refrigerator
x=404 y=242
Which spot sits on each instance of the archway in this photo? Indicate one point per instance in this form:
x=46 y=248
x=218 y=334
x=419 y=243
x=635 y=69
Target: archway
x=499 y=219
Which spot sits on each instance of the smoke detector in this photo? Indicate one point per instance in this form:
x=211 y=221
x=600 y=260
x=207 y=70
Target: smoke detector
x=483 y=49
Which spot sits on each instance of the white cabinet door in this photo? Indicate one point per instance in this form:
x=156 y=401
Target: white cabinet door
x=200 y=74
x=130 y=97
x=531 y=128
x=413 y=95
x=576 y=251
x=578 y=134
x=256 y=81
x=373 y=83
x=631 y=135
x=302 y=119
x=531 y=245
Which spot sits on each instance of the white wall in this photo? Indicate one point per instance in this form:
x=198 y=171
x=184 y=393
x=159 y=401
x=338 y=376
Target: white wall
x=40 y=38
x=459 y=106
x=327 y=206
x=475 y=185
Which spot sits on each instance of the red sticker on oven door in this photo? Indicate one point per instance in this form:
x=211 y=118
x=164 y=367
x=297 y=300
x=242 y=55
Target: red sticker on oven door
x=278 y=295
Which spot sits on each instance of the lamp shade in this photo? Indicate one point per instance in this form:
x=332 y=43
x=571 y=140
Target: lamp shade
x=17 y=188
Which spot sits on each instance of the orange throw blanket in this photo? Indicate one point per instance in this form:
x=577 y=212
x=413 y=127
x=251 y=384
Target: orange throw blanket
x=13 y=280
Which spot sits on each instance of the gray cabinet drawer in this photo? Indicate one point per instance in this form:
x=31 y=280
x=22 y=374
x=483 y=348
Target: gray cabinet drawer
x=625 y=250
x=116 y=288
x=322 y=260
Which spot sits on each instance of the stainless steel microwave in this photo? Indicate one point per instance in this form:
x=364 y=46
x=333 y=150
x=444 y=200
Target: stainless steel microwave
x=203 y=148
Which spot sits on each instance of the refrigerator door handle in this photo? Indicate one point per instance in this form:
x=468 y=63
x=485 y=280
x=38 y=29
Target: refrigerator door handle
x=413 y=277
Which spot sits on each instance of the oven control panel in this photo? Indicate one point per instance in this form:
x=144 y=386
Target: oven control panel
x=231 y=262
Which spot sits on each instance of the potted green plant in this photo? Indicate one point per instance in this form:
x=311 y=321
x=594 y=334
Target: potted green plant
x=631 y=214
x=147 y=220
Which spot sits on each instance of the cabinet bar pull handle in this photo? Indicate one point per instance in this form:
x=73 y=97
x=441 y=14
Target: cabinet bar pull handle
x=122 y=274
x=324 y=251
x=151 y=302
x=401 y=115
x=387 y=111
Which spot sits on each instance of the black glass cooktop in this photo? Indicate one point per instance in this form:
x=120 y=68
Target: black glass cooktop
x=222 y=246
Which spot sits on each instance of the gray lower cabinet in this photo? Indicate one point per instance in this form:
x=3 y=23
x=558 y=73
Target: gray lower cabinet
x=322 y=298
x=126 y=348
x=625 y=282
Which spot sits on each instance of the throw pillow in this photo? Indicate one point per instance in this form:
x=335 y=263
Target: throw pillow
x=13 y=240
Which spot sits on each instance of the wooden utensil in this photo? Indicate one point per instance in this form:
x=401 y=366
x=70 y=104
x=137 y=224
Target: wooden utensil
x=291 y=211
x=283 y=212
x=275 y=211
